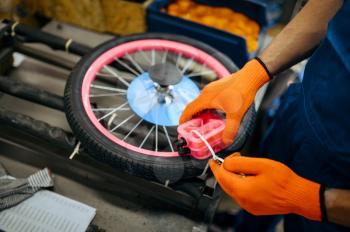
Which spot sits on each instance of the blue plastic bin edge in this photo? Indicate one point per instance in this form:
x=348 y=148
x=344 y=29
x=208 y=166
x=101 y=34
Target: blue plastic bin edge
x=221 y=40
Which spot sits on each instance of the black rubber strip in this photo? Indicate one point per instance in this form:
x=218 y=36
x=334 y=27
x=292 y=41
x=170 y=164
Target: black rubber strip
x=265 y=67
x=324 y=216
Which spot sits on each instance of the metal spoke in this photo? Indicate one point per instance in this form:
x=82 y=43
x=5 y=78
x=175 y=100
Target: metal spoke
x=200 y=70
x=148 y=134
x=200 y=73
x=145 y=57
x=187 y=65
x=137 y=65
x=165 y=56
x=107 y=94
x=132 y=129
x=137 y=124
x=104 y=74
x=178 y=59
x=100 y=75
x=121 y=79
x=122 y=123
x=115 y=110
x=109 y=109
x=134 y=63
x=108 y=88
x=156 y=138
x=168 y=138
x=127 y=66
x=153 y=57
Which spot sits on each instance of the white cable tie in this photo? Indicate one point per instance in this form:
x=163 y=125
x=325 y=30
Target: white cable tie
x=166 y=184
x=13 y=27
x=75 y=151
x=204 y=170
x=67 y=44
x=110 y=121
x=214 y=156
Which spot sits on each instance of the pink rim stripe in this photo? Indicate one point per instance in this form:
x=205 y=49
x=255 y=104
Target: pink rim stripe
x=131 y=47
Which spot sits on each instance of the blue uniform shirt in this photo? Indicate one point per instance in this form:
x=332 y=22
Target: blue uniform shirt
x=311 y=131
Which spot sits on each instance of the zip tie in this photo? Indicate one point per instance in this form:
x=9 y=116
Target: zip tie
x=214 y=156
x=110 y=121
x=166 y=184
x=13 y=27
x=204 y=170
x=75 y=151
x=67 y=44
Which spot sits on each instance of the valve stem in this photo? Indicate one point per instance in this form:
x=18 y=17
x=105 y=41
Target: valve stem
x=180 y=142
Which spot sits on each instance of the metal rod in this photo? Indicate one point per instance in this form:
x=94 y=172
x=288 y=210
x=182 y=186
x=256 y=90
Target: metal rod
x=33 y=35
x=39 y=129
x=44 y=56
x=24 y=91
x=52 y=59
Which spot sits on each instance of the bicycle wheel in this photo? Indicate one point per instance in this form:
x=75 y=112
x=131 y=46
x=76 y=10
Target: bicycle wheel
x=124 y=99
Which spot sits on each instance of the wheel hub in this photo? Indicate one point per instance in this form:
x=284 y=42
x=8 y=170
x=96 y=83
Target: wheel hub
x=160 y=95
x=165 y=74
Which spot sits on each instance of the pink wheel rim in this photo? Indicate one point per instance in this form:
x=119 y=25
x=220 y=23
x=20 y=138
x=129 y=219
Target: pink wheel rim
x=129 y=48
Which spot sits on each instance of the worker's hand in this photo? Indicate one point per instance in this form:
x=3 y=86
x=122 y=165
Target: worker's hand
x=267 y=187
x=233 y=95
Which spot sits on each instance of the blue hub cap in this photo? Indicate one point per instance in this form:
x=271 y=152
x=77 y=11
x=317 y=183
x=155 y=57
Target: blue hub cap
x=159 y=104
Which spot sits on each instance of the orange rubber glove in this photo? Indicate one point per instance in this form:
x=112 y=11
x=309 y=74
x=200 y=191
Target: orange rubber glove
x=267 y=187
x=233 y=95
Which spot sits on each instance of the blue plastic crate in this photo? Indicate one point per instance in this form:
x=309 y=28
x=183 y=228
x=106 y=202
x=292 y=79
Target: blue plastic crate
x=232 y=45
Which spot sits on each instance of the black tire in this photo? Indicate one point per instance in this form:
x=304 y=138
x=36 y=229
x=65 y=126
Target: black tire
x=152 y=168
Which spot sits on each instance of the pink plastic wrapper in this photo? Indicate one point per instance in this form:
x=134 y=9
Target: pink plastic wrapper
x=210 y=126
